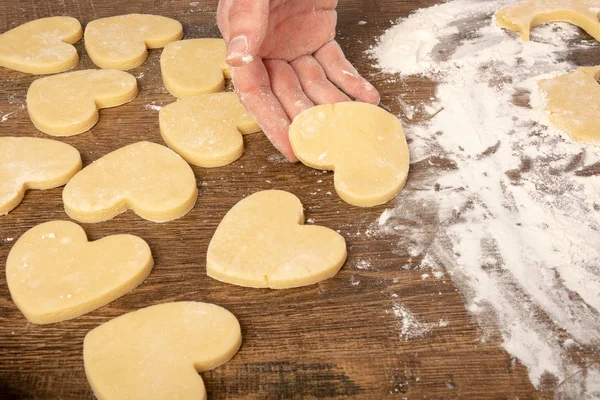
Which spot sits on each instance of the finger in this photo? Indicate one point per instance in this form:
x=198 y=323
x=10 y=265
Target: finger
x=252 y=85
x=223 y=18
x=315 y=83
x=286 y=87
x=339 y=71
x=248 y=23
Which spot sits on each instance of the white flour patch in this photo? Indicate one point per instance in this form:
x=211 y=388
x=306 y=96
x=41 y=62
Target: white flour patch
x=363 y=264
x=5 y=116
x=153 y=106
x=409 y=325
x=277 y=158
x=516 y=215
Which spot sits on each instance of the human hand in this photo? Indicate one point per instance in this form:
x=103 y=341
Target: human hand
x=284 y=60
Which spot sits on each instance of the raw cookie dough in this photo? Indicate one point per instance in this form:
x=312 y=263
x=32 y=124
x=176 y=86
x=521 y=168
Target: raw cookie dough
x=67 y=104
x=262 y=242
x=205 y=129
x=145 y=177
x=121 y=42
x=43 y=46
x=195 y=66
x=156 y=352
x=572 y=103
x=362 y=143
x=31 y=163
x=523 y=16
x=55 y=274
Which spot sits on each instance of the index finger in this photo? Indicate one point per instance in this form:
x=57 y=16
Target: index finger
x=253 y=87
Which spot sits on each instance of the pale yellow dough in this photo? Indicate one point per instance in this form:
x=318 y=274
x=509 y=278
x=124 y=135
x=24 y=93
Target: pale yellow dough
x=572 y=103
x=195 y=66
x=31 y=163
x=156 y=352
x=67 y=104
x=524 y=15
x=55 y=274
x=205 y=129
x=121 y=42
x=43 y=46
x=145 y=177
x=263 y=243
x=362 y=143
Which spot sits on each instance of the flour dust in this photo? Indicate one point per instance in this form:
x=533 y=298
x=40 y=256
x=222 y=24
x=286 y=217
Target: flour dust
x=516 y=205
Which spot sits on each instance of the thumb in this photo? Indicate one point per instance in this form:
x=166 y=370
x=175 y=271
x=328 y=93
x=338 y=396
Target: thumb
x=248 y=23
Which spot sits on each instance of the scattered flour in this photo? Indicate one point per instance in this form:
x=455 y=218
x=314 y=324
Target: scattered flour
x=363 y=264
x=409 y=325
x=515 y=211
x=277 y=158
x=5 y=116
x=153 y=106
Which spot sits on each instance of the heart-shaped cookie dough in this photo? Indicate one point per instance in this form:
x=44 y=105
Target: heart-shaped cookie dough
x=262 y=242
x=205 y=129
x=362 y=143
x=43 y=46
x=145 y=177
x=195 y=66
x=55 y=274
x=67 y=104
x=122 y=42
x=572 y=103
x=524 y=15
x=156 y=352
x=31 y=163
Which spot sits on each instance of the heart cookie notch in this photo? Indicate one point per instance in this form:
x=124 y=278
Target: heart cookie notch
x=32 y=163
x=263 y=243
x=526 y=14
x=122 y=42
x=157 y=352
x=43 y=46
x=194 y=66
x=206 y=130
x=55 y=274
x=364 y=144
x=145 y=177
x=67 y=104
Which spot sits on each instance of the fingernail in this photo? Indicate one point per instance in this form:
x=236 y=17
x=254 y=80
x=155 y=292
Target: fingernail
x=238 y=47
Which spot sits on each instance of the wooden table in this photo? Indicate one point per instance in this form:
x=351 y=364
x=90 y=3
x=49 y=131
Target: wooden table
x=336 y=339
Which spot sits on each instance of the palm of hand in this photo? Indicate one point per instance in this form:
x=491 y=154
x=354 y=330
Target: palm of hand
x=285 y=60
x=295 y=27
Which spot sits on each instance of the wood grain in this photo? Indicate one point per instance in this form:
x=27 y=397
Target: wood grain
x=336 y=339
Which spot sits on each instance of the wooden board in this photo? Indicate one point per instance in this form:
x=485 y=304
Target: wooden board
x=336 y=339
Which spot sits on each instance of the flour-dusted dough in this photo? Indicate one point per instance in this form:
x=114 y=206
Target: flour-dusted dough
x=43 y=46
x=31 y=163
x=195 y=66
x=54 y=273
x=156 y=352
x=572 y=103
x=523 y=16
x=205 y=129
x=121 y=42
x=362 y=143
x=145 y=177
x=262 y=242
x=67 y=104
